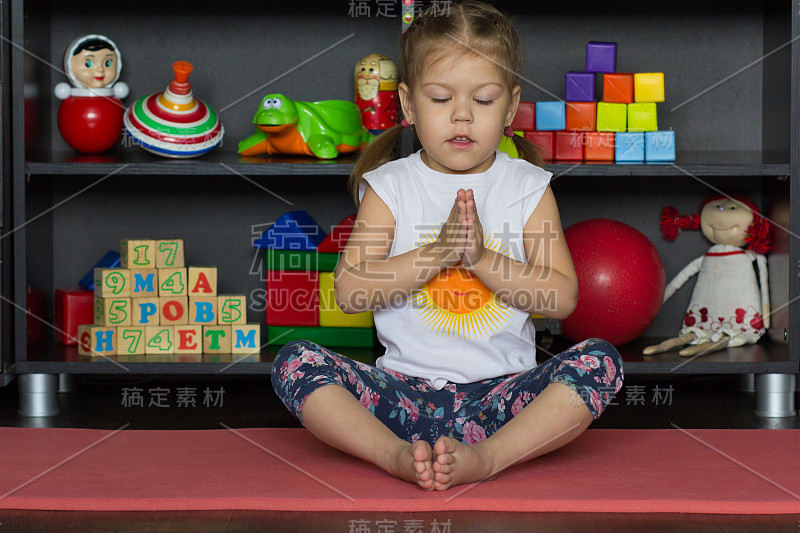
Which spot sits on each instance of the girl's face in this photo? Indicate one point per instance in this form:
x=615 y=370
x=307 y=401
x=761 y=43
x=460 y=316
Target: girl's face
x=94 y=69
x=459 y=108
x=725 y=221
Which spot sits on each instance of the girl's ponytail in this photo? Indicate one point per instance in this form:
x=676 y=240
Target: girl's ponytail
x=527 y=150
x=380 y=150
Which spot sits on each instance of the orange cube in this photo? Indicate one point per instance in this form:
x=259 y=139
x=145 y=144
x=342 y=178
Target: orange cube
x=618 y=88
x=581 y=116
x=543 y=140
x=598 y=146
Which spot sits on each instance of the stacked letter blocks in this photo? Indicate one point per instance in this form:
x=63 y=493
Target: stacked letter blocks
x=153 y=304
x=300 y=260
x=623 y=127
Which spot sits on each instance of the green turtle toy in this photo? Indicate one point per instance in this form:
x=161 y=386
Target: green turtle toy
x=323 y=129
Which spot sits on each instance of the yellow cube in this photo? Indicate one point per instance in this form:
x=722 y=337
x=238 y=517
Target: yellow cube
x=329 y=313
x=648 y=87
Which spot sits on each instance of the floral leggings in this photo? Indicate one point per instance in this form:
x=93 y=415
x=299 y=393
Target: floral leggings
x=469 y=412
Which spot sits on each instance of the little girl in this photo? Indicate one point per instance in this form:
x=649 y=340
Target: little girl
x=453 y=248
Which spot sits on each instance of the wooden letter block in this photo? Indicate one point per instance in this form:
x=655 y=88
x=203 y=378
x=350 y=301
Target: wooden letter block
x=130 y=341
x=203 y=310
x=216 y=339
x=169 y=253
x=112 y=311
x=188 y=339
x=138 y=253
x=159 y=339
x=202 y=281
x=246 y=339
x=174 y=311
x=96 y=340
x=232 y=309
x=112 y=282
x=329 y=313
x=144 y=283
x=145 y=312
x=172 y=282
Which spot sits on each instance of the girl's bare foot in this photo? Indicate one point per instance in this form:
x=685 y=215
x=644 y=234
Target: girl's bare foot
x=413 y=462
x=457 y=463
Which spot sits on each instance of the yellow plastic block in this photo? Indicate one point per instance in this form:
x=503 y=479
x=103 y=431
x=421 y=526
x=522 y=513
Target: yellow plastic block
x=112 y=311
x=329 y=313
x=139 y=253
x=648 y=87
x=130 y=341
x=169 y=253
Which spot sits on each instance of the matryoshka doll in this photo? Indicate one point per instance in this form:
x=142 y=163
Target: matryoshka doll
x=90 y=115
x=376 y=92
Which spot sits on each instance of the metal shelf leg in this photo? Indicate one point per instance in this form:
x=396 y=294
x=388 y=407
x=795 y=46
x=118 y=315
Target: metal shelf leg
x=775 y=395
x=38 y=394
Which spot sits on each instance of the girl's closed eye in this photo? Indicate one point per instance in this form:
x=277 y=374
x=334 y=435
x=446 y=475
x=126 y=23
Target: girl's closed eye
x=440 y=99
x=484 y=102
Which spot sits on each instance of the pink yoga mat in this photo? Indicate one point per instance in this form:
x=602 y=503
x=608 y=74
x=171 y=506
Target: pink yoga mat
x=604 y=470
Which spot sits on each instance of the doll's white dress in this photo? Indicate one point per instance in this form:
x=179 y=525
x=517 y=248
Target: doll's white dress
x=727 y=298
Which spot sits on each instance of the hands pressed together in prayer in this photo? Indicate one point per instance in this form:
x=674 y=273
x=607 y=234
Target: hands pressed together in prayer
x=461 y=236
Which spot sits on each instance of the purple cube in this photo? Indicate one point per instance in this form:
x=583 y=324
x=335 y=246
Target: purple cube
x=601 y=57
x=580 y=87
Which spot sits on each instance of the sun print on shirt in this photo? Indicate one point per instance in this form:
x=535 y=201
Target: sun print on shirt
x=455 y=303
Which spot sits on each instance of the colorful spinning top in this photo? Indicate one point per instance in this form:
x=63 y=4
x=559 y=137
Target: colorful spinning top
x=173 y=123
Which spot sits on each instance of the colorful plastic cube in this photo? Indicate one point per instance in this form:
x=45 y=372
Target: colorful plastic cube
x=612 y=117
x=629 y=146
x=601 y=57
x=569 y=146
x=74 y=307
x=581 y=116
x=295 y=230
x=350 y=337
x=598 y=146
x=659 y=146
x=296 y=260
x=292 y=298
x=551 y=116
x=329 y=313
x=543 y=140
x=648 y=87
x=642 y=117
x=335 y=242
x=618 y=88
x=525 y=119
x=579 y=87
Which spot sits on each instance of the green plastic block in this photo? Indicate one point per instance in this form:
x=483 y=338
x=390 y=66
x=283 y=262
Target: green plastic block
x=349 y=337
x=300 y=260
x=612 y=117
x=642 y=117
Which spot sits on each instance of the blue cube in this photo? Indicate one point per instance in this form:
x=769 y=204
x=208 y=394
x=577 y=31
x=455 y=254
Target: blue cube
x=659 y=146
x=629 y=146
x=580 y=87
x=551 y=116
x=112 y=259
x=601 y=57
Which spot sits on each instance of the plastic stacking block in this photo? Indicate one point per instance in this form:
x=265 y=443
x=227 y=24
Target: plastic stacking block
x=629 y=146
x=648 y=87
x=216 y=339
x=188 y=339
x=172 y=282
x=97 y=340
x=159 y=340
x=144 y=283
x=337 y=239
x=112 y=311
x=202 y=281
x=112 y=259
x=642 y=117
x=525 y=119
x=232 y=309
x=601 y=57
x=138 y=253
x=569 y=146
x=295 y=230
x=329 y=313
x=612 y=117
x=659 y=146
x=112 y=282
x=551 y=116
x=544 y=141
x=145 y=312
x=292 y=298
x=169 y=253
x=246 y=339
x=349 y=337
x=130 y=341
x=581 y=116
x=74 y=307
x=203 y=310
x=579 y=87
x=292 y=260
x=598 y=146
x=174 y=310
x=618 y=88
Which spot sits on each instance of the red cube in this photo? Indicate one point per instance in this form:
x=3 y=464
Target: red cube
x=74 y=307
x=292 y=298
x=525 y=119
x=569 y=146
x=544 y=141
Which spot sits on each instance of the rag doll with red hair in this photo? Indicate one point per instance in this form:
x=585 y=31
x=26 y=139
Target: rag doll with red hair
x=729 y=306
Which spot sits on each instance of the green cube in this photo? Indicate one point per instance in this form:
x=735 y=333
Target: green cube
x=301 y=260
x=350 y=337
x=642 y=117
x=612 y=117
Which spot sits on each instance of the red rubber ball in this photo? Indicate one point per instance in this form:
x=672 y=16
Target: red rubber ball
x=621 y=281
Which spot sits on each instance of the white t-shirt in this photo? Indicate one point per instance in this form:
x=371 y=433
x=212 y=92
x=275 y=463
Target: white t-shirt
x=453 y=328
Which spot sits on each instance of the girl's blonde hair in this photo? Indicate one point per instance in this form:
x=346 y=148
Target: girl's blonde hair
x=468 y=28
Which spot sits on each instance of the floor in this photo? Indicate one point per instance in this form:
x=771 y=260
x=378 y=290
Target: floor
x=688 y=402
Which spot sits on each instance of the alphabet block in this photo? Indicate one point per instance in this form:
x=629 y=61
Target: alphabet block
x=159 y=340
x=188 y=339
x=246 y=339
x=96 y=341
x=138 y=253
x=144 y=283
x=202 y=281
x=130 y=341
x=216 y=339
x=74 y=307
x=112 y=311
x=174 y=310
x=169 y=253
x=329 y=313
x=112 y=282
x=232 y=309
x=203 y=310
x=172 y=282
x=145 y=312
